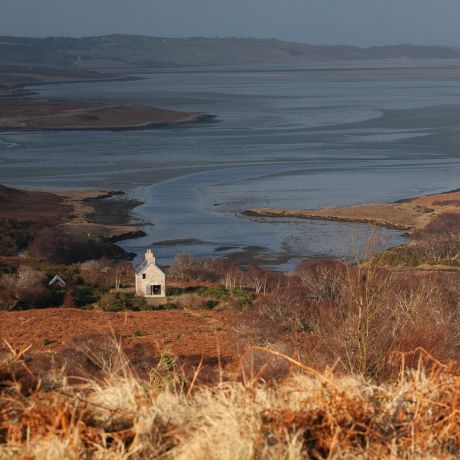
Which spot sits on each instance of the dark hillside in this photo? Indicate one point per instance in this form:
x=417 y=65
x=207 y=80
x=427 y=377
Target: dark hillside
x=134 y=52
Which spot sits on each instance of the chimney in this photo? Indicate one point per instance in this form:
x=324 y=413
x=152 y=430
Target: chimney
x=149 y=257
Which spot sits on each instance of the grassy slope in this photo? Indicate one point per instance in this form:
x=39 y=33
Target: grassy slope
x=33 y=206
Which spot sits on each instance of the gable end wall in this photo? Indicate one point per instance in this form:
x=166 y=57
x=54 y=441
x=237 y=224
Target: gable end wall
x=153 y=276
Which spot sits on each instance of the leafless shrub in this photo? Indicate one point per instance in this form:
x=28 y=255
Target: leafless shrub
x=122 y=271
x=322 y=279
x=186 y=268
x=355 y=316
x=183 y=262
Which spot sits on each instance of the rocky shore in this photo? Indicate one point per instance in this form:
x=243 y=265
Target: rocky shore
x=107 y=213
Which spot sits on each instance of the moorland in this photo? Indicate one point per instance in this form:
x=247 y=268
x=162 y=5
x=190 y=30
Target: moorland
x=335 y=359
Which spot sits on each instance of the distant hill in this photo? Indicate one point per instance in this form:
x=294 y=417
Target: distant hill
x=137 y=52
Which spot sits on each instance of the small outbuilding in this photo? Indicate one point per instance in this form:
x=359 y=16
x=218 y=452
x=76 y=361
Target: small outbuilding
x=150 y=279
x=57 y=280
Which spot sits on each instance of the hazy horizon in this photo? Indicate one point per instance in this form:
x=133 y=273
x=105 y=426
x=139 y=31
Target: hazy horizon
x=324 y=22
x=198 y=37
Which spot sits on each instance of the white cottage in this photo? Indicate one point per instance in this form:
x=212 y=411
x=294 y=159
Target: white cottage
x=150 y=279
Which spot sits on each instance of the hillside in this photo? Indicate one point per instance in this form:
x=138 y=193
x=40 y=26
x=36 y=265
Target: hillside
x=137 y=52
x=334 y=360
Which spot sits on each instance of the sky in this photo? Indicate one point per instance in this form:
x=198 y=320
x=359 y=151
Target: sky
x=354 y=22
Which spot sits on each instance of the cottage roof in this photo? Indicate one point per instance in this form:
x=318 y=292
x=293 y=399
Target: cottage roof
x=141 y=267
x=144 y=265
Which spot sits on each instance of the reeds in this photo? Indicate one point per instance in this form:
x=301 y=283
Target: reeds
x=308 y=415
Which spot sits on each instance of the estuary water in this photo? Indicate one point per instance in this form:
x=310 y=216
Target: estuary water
x=283 y=137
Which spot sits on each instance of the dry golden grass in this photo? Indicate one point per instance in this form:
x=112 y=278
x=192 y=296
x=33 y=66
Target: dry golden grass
x=308 y=415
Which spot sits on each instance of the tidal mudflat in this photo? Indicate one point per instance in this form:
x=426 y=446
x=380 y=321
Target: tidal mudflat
x=303 y=139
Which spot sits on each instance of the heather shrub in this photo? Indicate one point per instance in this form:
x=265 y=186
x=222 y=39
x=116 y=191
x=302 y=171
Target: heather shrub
x=28 y=288
x=407 y=256
x=84 y=295
x=217 y=292
x=14 y=236
x=121 y=300
x=57 y=246
x=113 y=301
x=443 y=224
x=168 y=305
x=191 y=300
x=437 y=243
x=6 y=269
x=39 y=297
x=238 y=298
x=8 y=299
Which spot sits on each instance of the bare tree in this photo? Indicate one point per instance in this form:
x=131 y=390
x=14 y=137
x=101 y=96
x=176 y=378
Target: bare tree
x=257 y=279
x=183 y=263
x=120 y=270
x=233 y=278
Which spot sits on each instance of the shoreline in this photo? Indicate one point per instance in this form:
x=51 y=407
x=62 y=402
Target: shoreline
x=98 y=212
x=103 y=216
x=287 y=213
x=407 y=214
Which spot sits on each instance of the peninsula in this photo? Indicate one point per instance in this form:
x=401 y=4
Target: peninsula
x=411 y=214
x=18 y=111
x=23 y=114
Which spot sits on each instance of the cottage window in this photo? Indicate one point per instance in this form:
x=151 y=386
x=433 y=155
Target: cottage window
x=154 y=289
x=143 y=276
